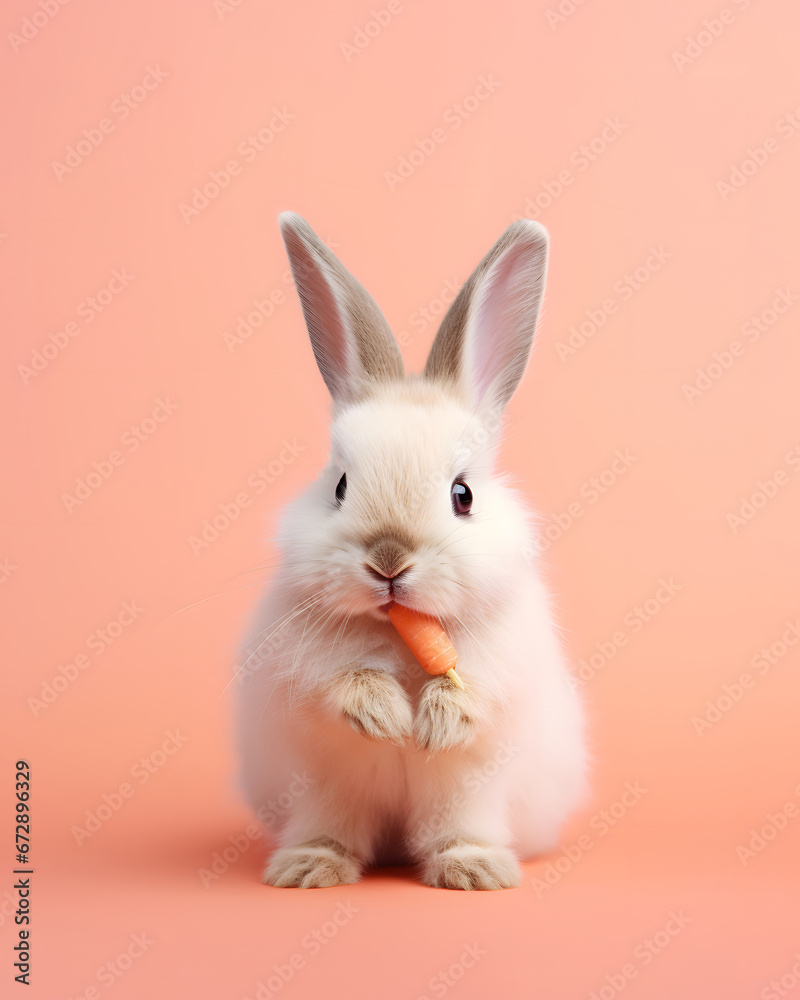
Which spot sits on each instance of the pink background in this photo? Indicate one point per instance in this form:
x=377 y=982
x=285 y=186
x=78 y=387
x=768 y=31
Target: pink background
x=692 y=193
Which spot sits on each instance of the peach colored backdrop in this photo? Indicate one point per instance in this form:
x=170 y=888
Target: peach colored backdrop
x=161 y=404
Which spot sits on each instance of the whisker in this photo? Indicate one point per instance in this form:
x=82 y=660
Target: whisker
x=241 y=668
x=293 y=612
x=255 y=569
x=213 y=597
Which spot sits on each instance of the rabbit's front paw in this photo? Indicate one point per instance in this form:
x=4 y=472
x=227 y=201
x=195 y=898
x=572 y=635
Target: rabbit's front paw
x=375 y=705
x=443 y=720
x=317 y=864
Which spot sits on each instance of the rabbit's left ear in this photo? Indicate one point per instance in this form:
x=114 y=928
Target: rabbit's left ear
x=485 y=338
x=352 y=342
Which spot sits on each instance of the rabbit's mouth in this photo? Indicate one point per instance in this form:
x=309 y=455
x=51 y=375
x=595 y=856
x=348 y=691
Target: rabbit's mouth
x=386 y=608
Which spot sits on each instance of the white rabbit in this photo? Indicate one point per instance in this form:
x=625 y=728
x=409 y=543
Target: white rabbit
x=350 y=753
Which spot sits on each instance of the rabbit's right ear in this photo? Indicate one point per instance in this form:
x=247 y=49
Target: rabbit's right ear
x=484 y=342
x=352 y=341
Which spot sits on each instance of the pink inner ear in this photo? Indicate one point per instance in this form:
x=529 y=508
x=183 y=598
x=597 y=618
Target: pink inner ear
x=500 y=333
x=323 y=314
x=328 y=335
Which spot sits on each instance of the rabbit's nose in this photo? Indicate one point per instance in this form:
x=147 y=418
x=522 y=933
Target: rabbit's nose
x=388 y=556
x=382 y=574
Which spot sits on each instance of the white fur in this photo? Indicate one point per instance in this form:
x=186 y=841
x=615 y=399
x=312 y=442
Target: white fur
x=305 y=770
x=474 y=575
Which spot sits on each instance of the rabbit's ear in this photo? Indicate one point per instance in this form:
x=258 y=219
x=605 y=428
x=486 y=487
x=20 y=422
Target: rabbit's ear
x=352 y=341
x=485 y=338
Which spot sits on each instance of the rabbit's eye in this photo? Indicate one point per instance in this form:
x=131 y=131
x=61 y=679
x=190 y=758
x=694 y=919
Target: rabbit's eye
x=341 y=489
x=462 y=497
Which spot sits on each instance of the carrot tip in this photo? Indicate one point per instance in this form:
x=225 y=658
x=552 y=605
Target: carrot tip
x=451 y=675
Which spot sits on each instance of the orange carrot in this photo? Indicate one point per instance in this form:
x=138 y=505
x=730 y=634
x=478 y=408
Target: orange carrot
x=427 y=640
